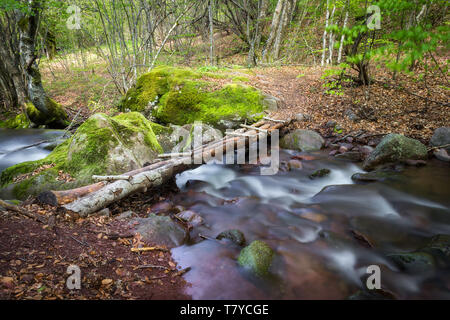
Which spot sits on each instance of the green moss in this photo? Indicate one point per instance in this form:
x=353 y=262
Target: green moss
x=18 y=122
x=88 y=152
x=258 y=257
x=180 y=96
x=56 y=117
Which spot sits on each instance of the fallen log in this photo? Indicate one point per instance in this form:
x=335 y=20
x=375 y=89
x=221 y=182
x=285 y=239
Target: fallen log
x=90 y=199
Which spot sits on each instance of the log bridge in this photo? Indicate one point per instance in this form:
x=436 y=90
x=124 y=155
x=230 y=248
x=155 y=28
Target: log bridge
x=92 y=198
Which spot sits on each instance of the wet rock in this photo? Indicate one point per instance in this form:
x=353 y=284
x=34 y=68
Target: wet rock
x=333 y=153
x=394 y=148
x=414 y=261
x=161 y=230
x=374 y=176
x=442 y=154
x=257 y=257
x=354 y=156
x=366 y=150
x=415 y=163
x=343 y=149
x=440 y=243
x=125 y=215
x=161 y=207
x=320 y=173
x=441 y=136
x=348 y=146
x=303 y=117
x=234 y=235
x=192 y=217
x=302 y=140
x=295 y=164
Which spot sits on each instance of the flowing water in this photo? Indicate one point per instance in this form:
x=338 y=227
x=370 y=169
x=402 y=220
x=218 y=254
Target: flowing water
x=19 y=145
x=311 y=225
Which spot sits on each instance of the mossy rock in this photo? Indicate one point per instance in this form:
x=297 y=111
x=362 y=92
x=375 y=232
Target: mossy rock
x=234 y=235
x=180 y=96
x=258 y=257
x=320 y=173
x=102 y=145
x=395 y=148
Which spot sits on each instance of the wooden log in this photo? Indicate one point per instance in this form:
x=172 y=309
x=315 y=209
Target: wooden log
x=56 y=198
x=155 y=174
x=59 y=198
x=120 y=189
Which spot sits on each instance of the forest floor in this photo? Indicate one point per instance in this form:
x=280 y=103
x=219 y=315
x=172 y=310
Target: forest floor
x=34 y=257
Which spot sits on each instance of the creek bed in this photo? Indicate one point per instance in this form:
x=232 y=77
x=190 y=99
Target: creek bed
x=325 y=231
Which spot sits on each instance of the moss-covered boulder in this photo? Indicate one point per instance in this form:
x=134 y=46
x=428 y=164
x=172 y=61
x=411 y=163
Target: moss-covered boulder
x=394 y=148
x=102 y=145
x=181 y=96
x=257 y=257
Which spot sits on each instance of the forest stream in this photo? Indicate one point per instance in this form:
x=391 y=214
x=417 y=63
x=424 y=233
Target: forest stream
x=310 y=224
x=324 y=231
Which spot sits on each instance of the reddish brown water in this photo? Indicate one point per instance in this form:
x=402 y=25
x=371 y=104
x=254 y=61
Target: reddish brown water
x=309 y=224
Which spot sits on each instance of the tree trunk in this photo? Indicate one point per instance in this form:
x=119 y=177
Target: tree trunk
x=324 y=43
x=331 y=41
x=276 y=21
x=47 y=111
x=211 y=32
x=342 y=39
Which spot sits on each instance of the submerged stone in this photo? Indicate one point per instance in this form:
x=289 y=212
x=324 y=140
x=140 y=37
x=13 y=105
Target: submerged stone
x=414 y=261
x=320 y=173
x=394 y=148
x=257 y=257
x=234 y=235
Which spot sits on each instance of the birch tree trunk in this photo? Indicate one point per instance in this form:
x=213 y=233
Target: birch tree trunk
x=341 y=46
x=324 y=44
x=283 y=23
x=331 y=41
x=274 y=27
x=211 y=33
